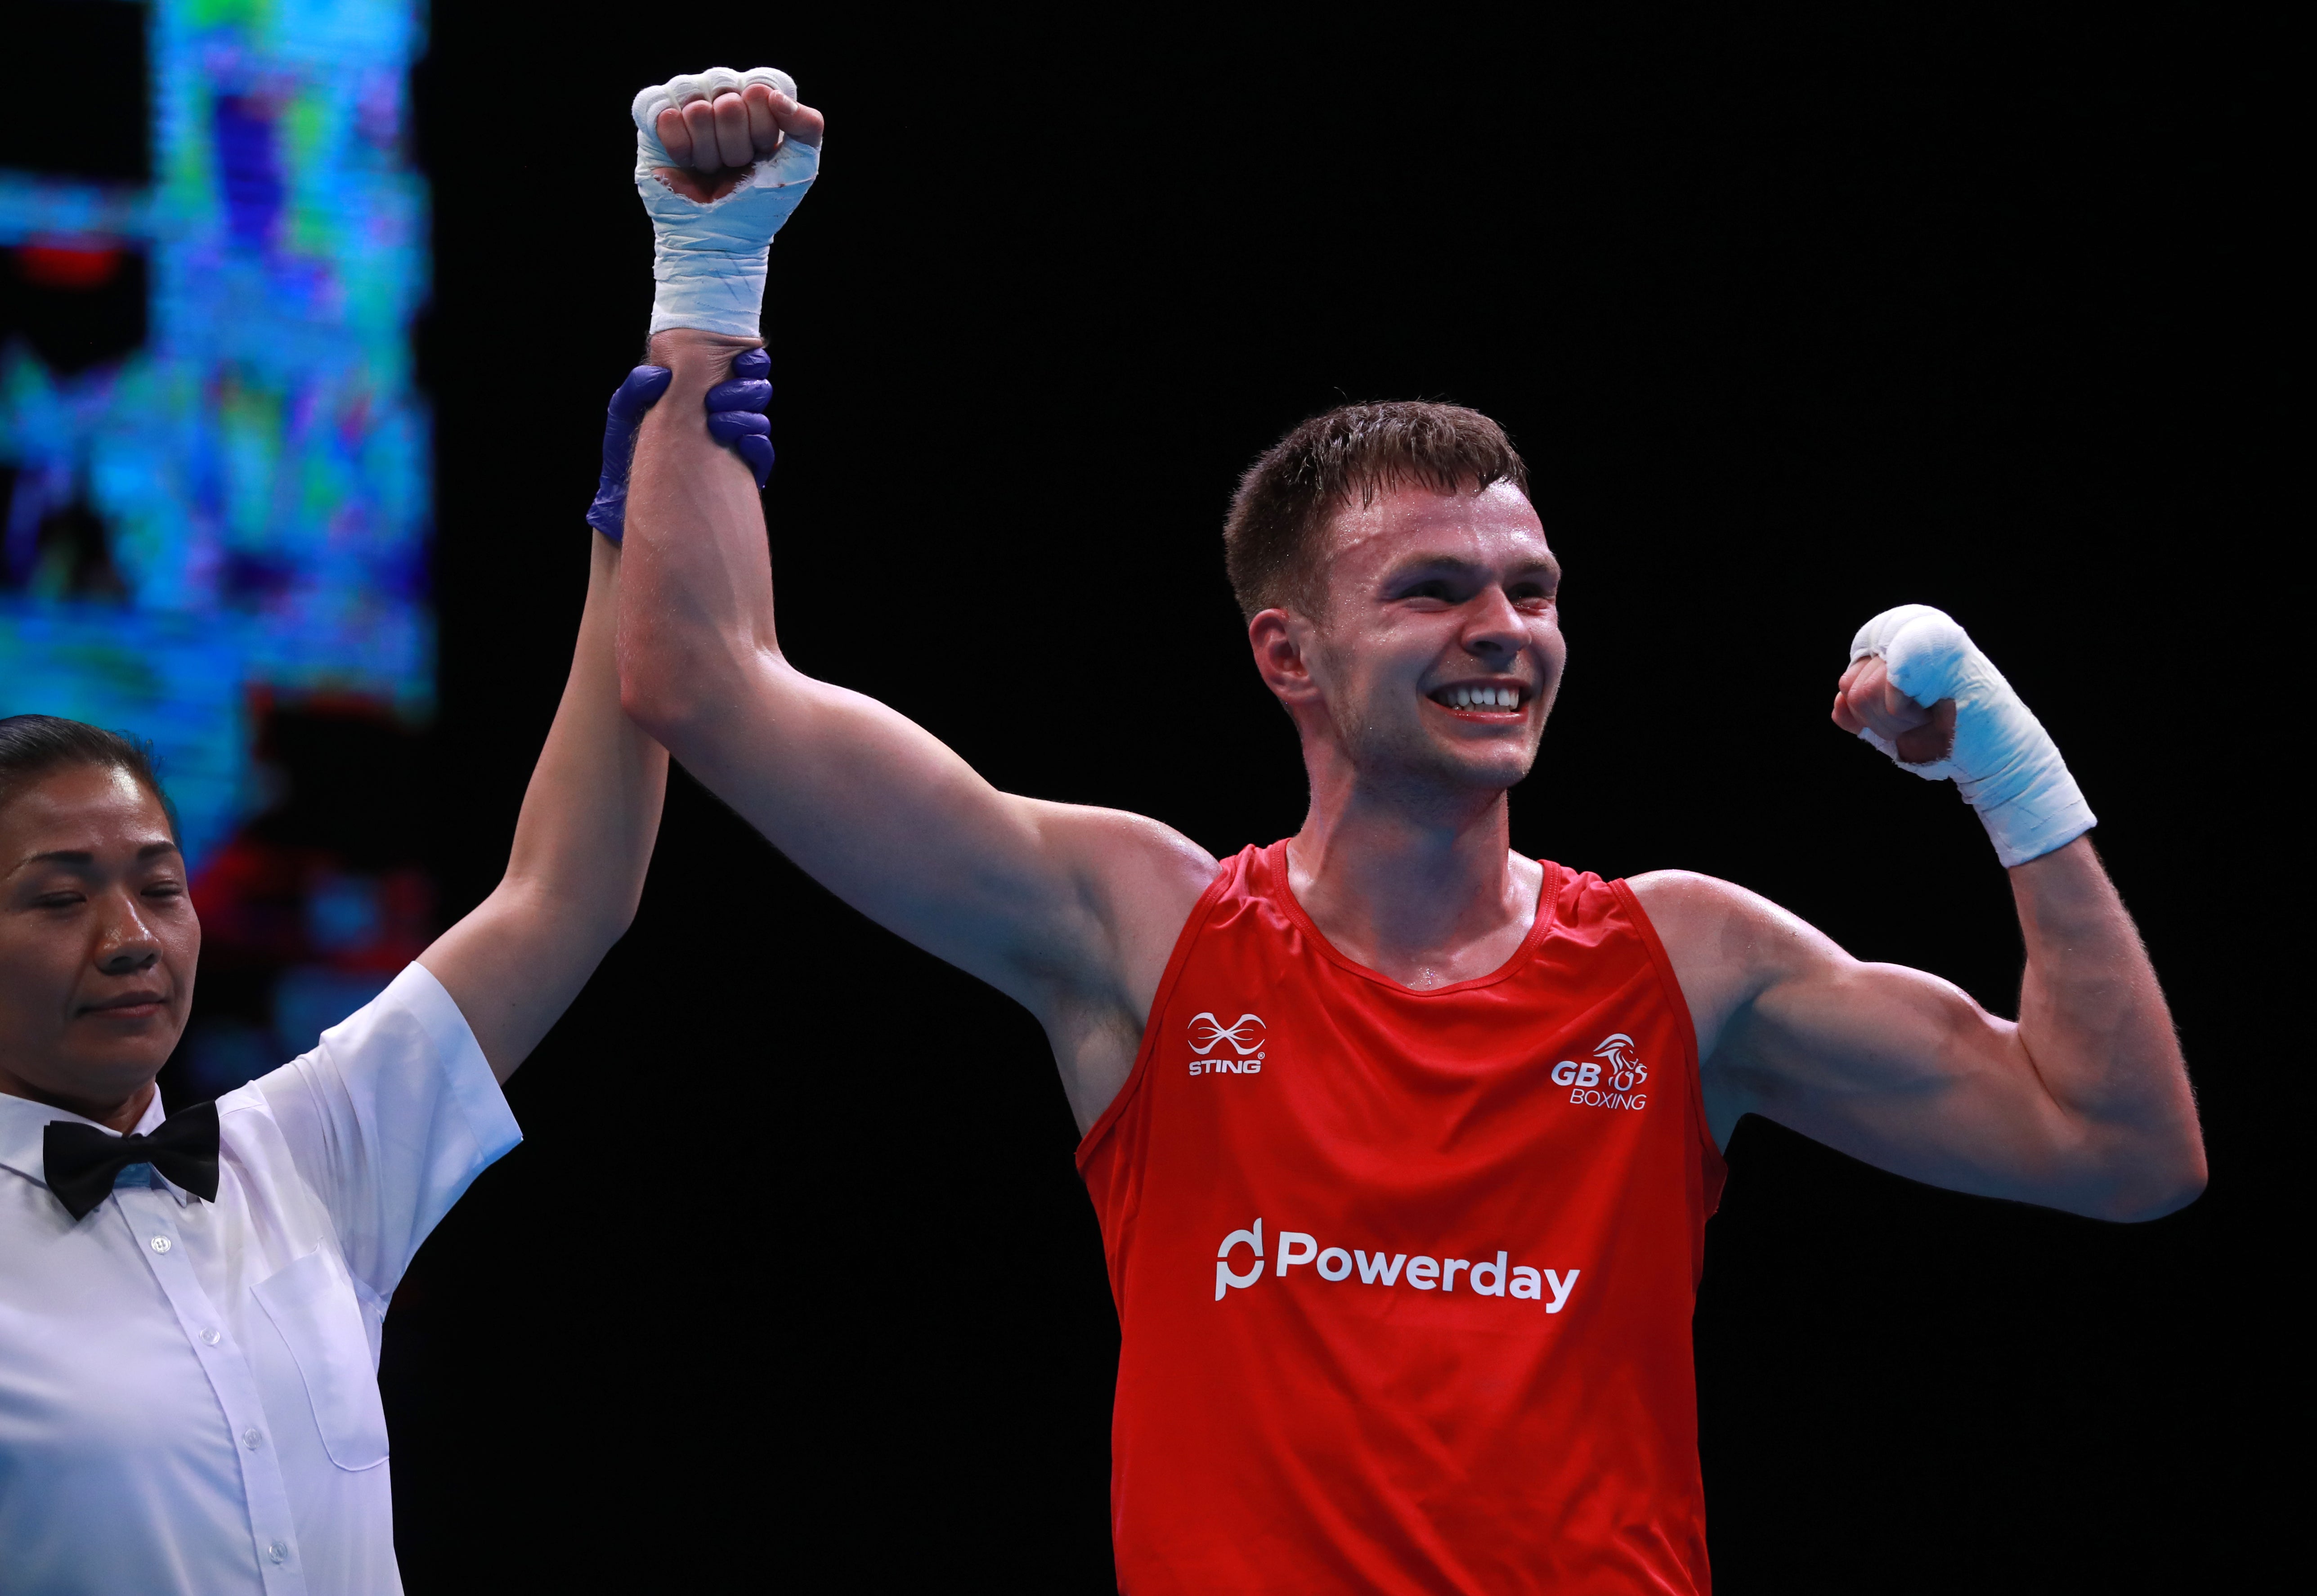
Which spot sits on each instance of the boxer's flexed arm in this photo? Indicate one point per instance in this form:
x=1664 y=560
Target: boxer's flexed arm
x=2083 y=1103
x=1070 y=911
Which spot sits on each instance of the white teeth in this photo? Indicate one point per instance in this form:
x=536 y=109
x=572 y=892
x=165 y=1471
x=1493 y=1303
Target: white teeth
x=1471 y=697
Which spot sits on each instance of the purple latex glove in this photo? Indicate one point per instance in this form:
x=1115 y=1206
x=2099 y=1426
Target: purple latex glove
x=732 y=421
x=609 y=513
x=734 y=418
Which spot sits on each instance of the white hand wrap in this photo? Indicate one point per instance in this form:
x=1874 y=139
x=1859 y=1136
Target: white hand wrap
x=2003 y=761
x=709 y=260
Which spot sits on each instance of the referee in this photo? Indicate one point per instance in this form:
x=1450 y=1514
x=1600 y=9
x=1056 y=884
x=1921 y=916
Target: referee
x=191 y=1305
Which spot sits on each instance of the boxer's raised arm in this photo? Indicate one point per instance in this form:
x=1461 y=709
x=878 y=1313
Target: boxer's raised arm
x=582 y=845
x=1072 y=912
x=1056 y=905
x=2083 y=1103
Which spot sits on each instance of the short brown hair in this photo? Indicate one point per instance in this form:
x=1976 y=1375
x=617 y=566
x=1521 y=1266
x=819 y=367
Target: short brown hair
x=1271 y=539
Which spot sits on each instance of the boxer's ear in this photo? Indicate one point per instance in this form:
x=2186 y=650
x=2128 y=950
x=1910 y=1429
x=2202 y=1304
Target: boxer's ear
x=1280 y=645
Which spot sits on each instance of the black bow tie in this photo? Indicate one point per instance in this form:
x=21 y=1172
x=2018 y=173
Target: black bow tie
x=83 y=1161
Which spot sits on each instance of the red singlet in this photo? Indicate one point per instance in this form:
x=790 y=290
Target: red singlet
x=1405 y=1278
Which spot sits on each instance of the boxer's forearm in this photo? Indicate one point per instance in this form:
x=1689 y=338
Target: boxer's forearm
x=2093 y=1020
x=582 y=845
x=695 y=626
x=695 y=600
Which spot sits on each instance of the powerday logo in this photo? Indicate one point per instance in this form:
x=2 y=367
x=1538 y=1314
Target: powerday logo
x=1220 y=1049
x=1483 y=1276
x=1609 y=1079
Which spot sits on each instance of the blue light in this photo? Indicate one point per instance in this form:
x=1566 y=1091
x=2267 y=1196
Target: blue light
x=260 y=465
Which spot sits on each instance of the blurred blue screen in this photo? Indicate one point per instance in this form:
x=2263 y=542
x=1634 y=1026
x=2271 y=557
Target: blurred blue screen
x=214 y=467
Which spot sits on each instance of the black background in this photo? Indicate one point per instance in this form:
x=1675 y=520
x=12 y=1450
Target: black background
x=792 y=1281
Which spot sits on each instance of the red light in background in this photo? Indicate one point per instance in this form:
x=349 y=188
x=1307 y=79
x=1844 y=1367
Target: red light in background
x=69 y=266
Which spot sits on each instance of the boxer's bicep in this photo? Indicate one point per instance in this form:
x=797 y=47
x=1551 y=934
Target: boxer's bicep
x=1889 y=1064
x=1904 y=1071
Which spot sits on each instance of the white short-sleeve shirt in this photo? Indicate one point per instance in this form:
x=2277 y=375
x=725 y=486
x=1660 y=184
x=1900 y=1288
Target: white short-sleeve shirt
x=189 y=1389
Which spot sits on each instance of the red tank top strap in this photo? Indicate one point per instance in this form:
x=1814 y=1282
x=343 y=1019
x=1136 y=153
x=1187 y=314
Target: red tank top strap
x=1231 y=874
x=1717 y=1171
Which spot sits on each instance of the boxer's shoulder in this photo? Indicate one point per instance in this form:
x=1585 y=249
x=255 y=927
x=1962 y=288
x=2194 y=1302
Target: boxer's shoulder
x=1727 y=945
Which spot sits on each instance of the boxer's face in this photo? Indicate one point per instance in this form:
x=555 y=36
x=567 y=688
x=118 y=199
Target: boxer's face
x=98 y=940
x=1440 y=651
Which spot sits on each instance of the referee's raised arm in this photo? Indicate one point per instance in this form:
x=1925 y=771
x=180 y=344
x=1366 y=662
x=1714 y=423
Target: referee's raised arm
x=581 y=847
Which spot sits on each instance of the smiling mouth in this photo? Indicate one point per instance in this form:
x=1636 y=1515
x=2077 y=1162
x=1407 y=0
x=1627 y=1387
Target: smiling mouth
x=1497 y=699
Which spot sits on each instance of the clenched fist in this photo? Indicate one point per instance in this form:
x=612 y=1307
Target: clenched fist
x=1867 y=700
x=722 y=158
x=1921 y=691
x=712 y=133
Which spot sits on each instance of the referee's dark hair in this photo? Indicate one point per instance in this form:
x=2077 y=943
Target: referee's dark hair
x=34 y=746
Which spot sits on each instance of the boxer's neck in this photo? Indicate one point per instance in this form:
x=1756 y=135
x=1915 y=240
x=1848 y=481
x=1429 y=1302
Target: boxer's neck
x=1426 y=894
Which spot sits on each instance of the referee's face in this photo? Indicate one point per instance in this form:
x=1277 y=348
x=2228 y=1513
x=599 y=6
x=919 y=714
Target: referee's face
x=98 y=941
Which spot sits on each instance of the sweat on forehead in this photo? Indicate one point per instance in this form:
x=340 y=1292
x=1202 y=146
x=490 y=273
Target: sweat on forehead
x=1275 y=540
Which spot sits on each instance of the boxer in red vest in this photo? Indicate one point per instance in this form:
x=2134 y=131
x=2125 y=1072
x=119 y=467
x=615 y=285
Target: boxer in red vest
x=1402 y=1143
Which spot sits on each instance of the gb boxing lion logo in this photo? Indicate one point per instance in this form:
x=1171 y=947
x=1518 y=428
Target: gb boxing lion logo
x=1245 y=1034
x=1625 y=1071
x=1615 y=1057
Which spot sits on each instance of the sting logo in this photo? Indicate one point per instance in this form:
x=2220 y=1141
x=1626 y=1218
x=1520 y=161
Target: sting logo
x=1244 y=1036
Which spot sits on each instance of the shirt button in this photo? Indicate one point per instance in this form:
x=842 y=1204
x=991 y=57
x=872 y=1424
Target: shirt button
x=250 y=1438
x=160 y=1244
x=276 y=1551
x=212 y=1337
